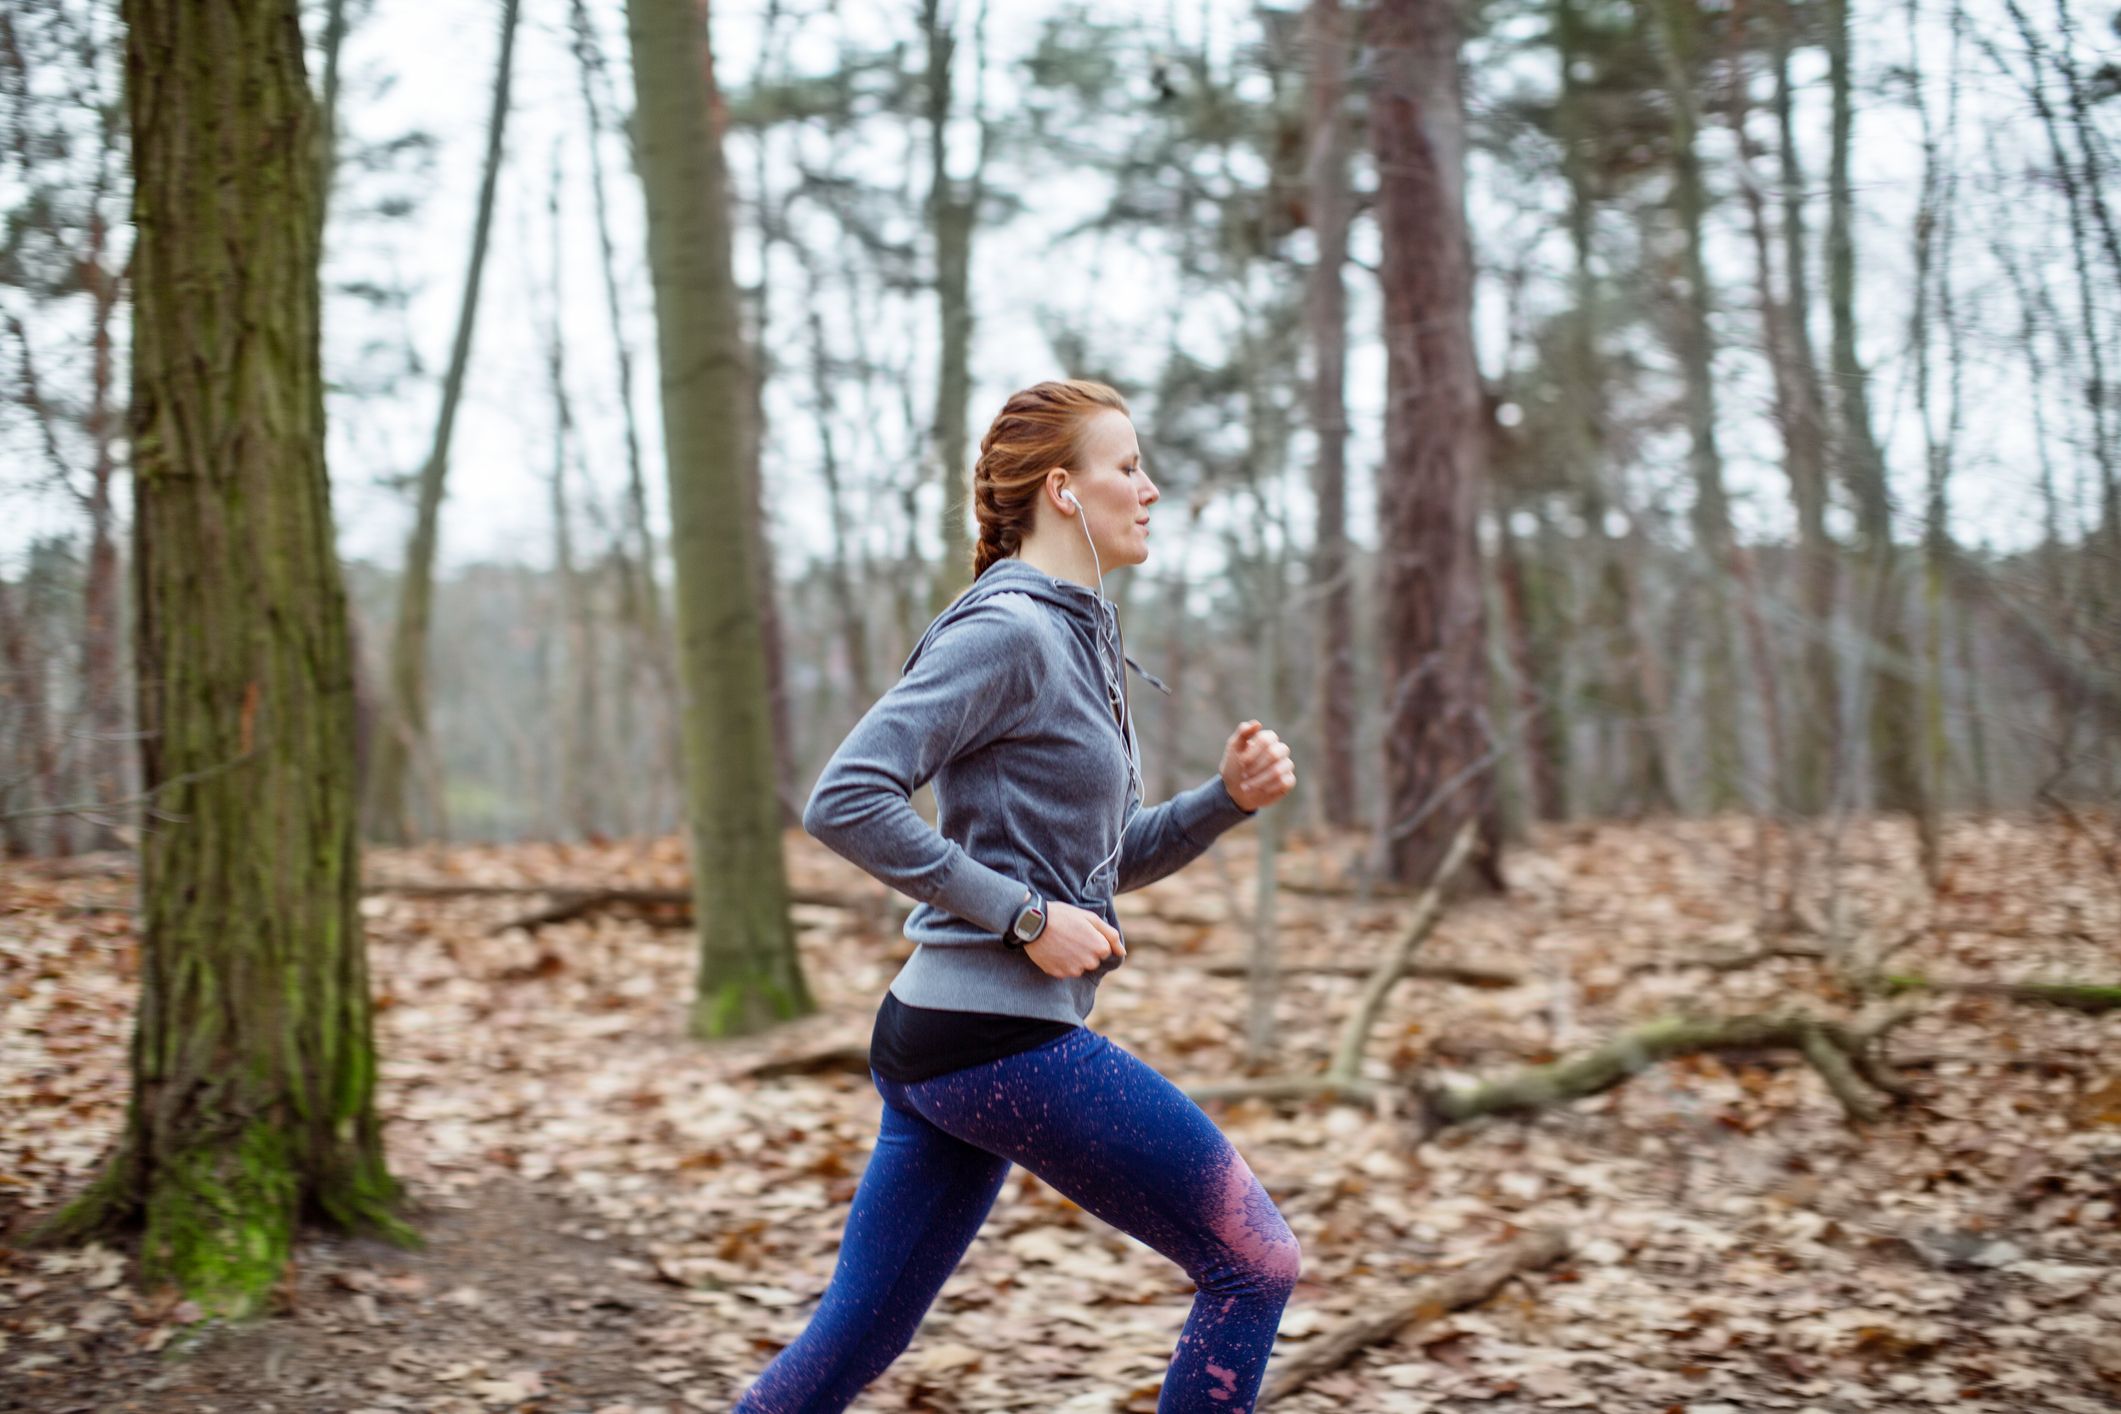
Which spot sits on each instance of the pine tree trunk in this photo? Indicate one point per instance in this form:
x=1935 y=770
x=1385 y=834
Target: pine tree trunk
x=404 y=745
x=750 y=977
x=253 y=1061
x=1437 y=771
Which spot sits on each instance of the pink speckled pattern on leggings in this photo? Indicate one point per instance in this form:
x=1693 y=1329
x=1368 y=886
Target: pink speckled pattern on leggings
x=1100 y=1126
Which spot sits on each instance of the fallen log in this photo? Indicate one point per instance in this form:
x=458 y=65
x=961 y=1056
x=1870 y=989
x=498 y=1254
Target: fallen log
x=1435 y=1297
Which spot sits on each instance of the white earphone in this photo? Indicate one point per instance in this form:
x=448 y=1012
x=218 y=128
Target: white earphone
x=1116 y=692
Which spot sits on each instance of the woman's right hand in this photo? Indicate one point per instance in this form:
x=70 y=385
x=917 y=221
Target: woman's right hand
x=1073 y=942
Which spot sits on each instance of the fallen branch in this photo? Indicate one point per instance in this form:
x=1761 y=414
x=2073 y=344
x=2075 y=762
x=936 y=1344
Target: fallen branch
x=1484 y=977
x=2093 y=999
x=1433 y=1298
x=1732 y=962
x=1844 y=1056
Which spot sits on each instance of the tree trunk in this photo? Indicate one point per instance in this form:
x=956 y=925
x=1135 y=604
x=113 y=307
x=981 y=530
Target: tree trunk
x=750 y=976
x=1807 y=783
x=580 y=771
x=1676 y=23
x=846 y=604
x=641 y=597
x=403 y=745
x=762 y=557
x=1438 y=770
x=1894 y=735
x=952 y=214
x=253 y=1061
x=1327 y=178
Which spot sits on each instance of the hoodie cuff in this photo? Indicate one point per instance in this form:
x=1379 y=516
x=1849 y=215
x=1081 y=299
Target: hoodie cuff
x=1208 y=810
x=981 y=894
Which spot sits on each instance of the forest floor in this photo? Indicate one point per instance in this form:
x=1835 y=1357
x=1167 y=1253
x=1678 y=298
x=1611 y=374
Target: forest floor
x=620 y=1219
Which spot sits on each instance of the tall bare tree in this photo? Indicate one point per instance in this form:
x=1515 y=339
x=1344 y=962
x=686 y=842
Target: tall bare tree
x=749 y=976
x=253 y=1061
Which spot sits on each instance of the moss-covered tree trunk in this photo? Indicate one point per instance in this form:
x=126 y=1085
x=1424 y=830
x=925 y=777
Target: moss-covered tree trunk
x=253 y=1064
x=750 y=977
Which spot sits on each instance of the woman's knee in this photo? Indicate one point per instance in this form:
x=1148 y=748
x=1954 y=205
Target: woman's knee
x=1249 y=1224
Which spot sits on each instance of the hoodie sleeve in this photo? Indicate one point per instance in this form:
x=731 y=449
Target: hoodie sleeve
x=971 y=685
x=1163 y=839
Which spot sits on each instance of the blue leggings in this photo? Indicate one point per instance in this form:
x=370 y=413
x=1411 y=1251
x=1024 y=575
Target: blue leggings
x=1100 y=1126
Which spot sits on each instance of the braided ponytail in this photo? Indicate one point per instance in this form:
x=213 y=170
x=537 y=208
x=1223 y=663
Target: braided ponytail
x=1036 y=431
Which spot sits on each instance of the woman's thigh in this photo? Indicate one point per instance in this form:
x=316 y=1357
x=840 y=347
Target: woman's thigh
x=1121 y=1141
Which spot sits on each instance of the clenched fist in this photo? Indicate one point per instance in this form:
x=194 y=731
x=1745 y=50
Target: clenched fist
x=1073 y=942
x=1256 y=769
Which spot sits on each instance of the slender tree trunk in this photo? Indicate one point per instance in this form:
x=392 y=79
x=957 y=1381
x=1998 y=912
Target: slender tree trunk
x=1438 y=769
x=640 y=594
x=763 y=557
x=35 y=828
x=847 y=606
x=952 y=214
x=1893 y=729
x=404 y=747
x=107 y=774
x=1676 y=22
x=750 y=976
x=580 y=770
x=1800 y=412
x=1327 y=179
x=253 y=1061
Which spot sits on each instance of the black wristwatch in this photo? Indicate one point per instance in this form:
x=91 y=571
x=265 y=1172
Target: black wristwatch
x=1030 y=921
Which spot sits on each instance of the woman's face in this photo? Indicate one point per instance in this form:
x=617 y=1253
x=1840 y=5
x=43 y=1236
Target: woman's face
x=1114 y=488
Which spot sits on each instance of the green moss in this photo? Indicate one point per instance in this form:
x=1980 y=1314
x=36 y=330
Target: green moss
x=220 y=1221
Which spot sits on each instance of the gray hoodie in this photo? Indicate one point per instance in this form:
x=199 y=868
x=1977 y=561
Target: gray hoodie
x=1006 y=702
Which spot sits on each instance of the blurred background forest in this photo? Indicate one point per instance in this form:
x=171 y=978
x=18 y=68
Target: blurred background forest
x=1798 y=333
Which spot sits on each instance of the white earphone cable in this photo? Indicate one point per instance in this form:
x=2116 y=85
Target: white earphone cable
x=1115 y=693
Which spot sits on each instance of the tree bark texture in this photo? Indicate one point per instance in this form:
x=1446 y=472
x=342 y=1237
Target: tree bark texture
x=1436 y=735
x=749 y=974
x=1326 y=176
x=253 y=1061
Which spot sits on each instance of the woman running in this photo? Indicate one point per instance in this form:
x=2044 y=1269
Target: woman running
x=1015 y=703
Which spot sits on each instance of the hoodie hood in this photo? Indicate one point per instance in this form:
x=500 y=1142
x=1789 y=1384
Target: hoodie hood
x=1091 y=615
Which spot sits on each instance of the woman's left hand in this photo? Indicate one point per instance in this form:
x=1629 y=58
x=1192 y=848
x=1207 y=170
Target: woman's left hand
x=1256 y=769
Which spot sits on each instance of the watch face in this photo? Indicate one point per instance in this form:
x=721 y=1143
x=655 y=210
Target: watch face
x=1030 y=922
